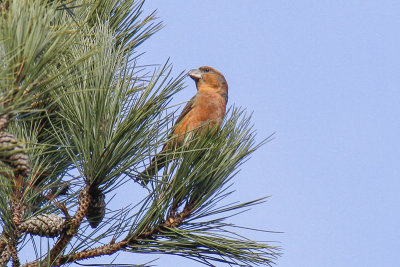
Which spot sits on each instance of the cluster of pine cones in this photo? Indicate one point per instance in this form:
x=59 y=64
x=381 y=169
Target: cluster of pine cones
x=14 y=155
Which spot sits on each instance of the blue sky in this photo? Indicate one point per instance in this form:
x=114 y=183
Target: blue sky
x=323 y=75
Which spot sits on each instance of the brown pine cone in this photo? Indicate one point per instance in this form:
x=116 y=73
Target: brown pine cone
x=12 y=152
x=4 y=119
x=97 y=207
x=48 y=225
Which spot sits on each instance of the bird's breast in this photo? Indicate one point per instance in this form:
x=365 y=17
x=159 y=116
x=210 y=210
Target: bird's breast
x=210 y=108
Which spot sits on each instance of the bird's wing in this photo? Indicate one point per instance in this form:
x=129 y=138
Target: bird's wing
x=158 y=161
x=186 y=110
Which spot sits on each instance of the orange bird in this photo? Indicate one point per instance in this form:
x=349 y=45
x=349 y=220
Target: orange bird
x=206 y=108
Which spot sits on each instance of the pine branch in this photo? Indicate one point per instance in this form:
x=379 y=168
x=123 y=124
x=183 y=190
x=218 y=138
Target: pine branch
x=69 y=231
x=13 y=240
x=5 y=256
x=172 y=221
x=13 y=251
x=71 y=226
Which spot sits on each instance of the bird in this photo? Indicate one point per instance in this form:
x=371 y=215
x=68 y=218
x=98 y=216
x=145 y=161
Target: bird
x=207 y=108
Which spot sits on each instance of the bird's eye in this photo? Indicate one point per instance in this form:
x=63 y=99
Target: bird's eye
x=206 y=70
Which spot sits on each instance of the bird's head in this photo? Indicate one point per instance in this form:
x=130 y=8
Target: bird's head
x=207 y=78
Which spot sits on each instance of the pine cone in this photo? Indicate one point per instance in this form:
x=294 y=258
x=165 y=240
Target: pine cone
x=49 y=225
x=97 y=207
x=4 y=121
x=12 y=152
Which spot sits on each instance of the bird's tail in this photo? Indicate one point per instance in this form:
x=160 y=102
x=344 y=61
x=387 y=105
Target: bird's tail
x=157 y=163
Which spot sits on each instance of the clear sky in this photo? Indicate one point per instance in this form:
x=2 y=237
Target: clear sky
x=323 y=75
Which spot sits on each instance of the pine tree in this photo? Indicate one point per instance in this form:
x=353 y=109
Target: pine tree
x=79 y=117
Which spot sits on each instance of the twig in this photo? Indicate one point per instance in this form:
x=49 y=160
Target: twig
x=19 y=73
x=17 y=210
x=4 y=250
x=12 y=243
x=5 y=256
x=172 y=221
x=72 y=225
x=91 y=253
x=69 y=231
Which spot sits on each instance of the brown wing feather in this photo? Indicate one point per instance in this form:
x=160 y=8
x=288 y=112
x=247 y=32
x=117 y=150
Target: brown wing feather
x=158 y=161
x=185 y=110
